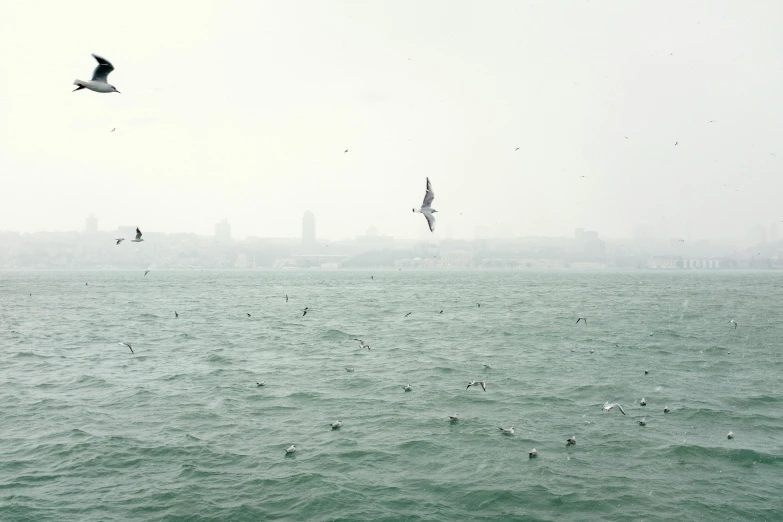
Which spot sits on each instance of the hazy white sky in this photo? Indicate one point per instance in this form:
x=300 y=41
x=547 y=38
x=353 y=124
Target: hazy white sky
x=242 y=109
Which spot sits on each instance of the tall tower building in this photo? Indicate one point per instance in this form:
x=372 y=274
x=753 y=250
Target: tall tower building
x=223 y=231
x=91 y=224
x=308 y=229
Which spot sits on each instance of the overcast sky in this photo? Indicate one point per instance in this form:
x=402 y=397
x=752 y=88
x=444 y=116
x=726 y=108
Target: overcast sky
x=242 y=110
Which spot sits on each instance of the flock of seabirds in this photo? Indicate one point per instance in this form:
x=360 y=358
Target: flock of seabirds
x=100 y=84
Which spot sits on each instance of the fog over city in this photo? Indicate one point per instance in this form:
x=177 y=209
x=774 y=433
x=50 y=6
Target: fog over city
x=531 y=119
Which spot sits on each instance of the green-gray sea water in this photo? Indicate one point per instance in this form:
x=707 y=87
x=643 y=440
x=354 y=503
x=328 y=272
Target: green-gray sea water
x=180 y=431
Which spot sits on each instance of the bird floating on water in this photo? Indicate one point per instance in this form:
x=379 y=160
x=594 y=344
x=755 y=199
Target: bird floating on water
x=643 y=422
x=426 y=206
x=349 y=370
x=610 y=407
x=643 y=402
x=290 y=449
x=336 y=425
x=481 y=383
x=507 y=431
x=363 y=344
x=259 y=384
x=570 y=441
x=532 y=453
x=666 y=409
x=407 y=388
x=138 y=236
x=123 y=343
x=730 y=435
x=98 y=82
x=454 y=417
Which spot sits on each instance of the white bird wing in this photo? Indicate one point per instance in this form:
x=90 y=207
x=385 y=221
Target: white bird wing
x=428 y=196
x=619 y=407
x=138 y=233
x=430 y=220
x=103 y=69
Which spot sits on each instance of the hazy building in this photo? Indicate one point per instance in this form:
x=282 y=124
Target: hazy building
x=91 y=224
x=774 y=233
x=308 y=229
x=223 y=231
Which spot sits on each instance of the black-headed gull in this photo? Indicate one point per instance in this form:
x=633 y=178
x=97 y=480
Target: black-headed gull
x=138 y=238
x=123 y=343
x=407 y=388
x=290 y=449
x=609 y=407
x=734 y=323
x=363 y=344
x=426 y=206
x=666 y=409
x=98 y=82
x=643 y=422
x=507 y=431
x=481 y=383
x=259 y=384
x=120 y=240
x=532 y=453
x=730 y=435
x=454 y=417
x=570 y=441
x=643 y=402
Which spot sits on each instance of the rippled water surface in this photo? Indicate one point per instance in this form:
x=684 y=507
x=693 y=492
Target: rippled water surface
x=179 y=430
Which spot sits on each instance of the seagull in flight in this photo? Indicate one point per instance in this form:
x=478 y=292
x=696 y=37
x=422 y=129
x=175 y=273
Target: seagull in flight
x=609 y=407
x=98 y=82
x=481 y=383
x=146 y=272
x=123 y=343
x=349 y=369
x=581 y=319
x=734 y=323
x=176 y=314
x=120 y=240
x=426 y=206
x=304 y=312
x=363 y=344
x=286 y=298
x=409 y=313
x=138 y=236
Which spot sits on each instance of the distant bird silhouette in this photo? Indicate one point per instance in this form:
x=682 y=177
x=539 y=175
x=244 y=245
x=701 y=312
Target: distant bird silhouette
x=126 y=344
x=734 y=323
x=176 y=314
x=114 y=129
x=304 y=312
x=247 y=314
x=146 y=272
x=581 y=319
x=409 y=313
x=516 y=149
x=120 y=240
x=346 y=150
x=675 y=143
x=440 y=312
x=286 y=298
x=138 y=236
